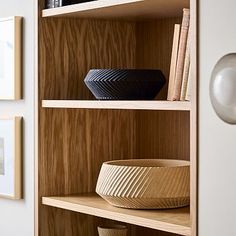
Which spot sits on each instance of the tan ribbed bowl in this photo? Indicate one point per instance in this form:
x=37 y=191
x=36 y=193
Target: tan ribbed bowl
x=115 y=230
x=145 y=183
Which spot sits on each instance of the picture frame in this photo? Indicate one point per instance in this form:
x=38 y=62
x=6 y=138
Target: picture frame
x=11 y=158
x=10 y=58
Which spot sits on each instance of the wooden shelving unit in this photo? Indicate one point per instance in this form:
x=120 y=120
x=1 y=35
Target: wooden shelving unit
x=82 y=133
x=126 y=105
x=175 y=221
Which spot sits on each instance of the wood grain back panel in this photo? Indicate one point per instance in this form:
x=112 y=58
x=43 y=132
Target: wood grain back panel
x=163 y=135
x=70 y=47
x=77 y=142
x=154 y=46
x=74 y=146
x=66 y=223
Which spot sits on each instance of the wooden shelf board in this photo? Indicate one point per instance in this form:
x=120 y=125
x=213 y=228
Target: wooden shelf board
x=174 y=221
x=130 y=105
x=120 y=9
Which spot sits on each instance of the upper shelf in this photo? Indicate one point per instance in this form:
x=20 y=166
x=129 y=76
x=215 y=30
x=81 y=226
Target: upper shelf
x=123 y=105
x=121 y=9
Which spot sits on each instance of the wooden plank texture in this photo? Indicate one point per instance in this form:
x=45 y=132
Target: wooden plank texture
x=69 y=48
x=175 y=221
x=163 y=135
x=154 y=47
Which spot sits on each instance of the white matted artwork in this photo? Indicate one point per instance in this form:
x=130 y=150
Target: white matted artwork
x=10 y=58
x=10 y=158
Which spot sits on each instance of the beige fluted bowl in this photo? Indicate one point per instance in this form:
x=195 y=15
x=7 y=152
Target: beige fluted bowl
x=145 y=183
x=115 y=230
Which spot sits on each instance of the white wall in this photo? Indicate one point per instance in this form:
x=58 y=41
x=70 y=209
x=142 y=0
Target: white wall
x=17 y=217
x=217 y=209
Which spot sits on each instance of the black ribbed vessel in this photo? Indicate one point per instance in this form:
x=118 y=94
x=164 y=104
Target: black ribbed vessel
x=128 y=84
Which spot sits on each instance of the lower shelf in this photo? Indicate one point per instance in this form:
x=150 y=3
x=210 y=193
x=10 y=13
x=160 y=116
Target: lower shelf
x=174 y=221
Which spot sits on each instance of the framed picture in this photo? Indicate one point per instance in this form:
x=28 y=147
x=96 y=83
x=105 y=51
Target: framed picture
x=10 y=158
x=10 y=58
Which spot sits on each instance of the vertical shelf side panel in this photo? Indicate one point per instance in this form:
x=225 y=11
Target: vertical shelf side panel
x=194 y=117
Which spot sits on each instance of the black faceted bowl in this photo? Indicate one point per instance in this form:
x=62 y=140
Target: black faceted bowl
x=128 y=84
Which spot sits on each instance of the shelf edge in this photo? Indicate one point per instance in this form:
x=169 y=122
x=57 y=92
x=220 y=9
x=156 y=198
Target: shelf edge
x=83 y=7
x=122 y=105
x=80 y=208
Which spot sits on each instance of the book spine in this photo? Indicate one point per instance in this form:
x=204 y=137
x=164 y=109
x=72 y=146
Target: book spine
x=57 y=3
x=188 y=91
x=181 y=54
x=174 y=55
x=65 y=2
x=50 y=4
x=186 y=71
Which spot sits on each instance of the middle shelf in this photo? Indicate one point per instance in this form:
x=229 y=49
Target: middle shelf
x=174 y=220
x=125 y=105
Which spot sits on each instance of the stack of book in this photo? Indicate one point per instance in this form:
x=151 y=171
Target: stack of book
x=53 y=3
x=61 y=3
x=180 y=72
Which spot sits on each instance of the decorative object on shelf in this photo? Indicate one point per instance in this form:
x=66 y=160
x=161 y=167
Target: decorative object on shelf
x=61 y=3
x=145 y=183
x=124 y=84
x=114 y=230
x=10 y=158
x=10 y=58
x=223 y=87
